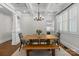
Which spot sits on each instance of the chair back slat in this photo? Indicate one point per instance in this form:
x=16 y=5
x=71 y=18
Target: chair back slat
x=20 y=36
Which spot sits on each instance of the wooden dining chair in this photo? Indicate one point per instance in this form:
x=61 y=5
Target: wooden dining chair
x=48 y=33
x=22 y=41
x=48 y=41
x=58 y=40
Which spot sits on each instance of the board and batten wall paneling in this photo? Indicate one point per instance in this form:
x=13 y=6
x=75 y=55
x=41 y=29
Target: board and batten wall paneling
x=5 y=25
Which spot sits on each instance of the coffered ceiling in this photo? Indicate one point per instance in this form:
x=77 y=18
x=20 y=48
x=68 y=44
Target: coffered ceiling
x=44 y=8
x=47 y=10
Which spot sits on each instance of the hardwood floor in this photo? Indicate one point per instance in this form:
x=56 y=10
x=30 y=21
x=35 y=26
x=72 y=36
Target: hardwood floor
x=6 y=49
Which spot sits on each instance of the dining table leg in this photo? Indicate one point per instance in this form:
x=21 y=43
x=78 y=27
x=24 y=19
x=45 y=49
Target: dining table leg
x=27 y=52
x=53 y=52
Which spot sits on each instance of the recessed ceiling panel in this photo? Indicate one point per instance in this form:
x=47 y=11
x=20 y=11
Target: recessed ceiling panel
x=44 y=8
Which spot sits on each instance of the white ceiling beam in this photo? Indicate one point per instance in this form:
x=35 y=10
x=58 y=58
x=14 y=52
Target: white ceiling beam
x=47 y=9
x=8 y=7
x=8 y=4
x=29 y=8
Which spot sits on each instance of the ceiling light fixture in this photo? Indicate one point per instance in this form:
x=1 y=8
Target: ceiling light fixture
x=38 y=18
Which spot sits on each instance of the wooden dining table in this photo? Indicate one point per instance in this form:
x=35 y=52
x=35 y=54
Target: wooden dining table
x=40 y=46
x=33 y=37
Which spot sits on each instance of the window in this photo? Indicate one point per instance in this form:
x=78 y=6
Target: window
x=48 y=28
x=65 y=21
x=59 y=22
x=73 y=19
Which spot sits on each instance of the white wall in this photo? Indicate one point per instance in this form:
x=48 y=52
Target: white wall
x=5 y=25
x=29 y=26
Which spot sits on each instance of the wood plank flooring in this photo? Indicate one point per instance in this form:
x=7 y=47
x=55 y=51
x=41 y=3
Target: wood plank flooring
x=6 y=49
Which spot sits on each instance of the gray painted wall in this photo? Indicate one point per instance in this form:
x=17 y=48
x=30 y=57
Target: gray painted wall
x=29 y=26
x=5 y=25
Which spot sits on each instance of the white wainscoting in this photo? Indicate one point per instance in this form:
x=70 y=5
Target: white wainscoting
x=71 y=40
